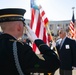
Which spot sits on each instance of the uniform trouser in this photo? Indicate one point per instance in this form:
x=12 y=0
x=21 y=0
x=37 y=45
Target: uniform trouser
x=65 y=72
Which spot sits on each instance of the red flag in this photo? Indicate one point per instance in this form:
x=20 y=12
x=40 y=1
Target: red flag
x=38 y=25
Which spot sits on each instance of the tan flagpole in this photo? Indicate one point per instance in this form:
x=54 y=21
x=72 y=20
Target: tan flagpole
x=52 y=38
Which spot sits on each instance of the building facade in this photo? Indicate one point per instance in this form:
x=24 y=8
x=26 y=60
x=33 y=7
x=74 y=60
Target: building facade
x=53 y=25
x=56 y=25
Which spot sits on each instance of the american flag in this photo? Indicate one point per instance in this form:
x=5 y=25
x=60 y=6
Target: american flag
x=38 y=24
x=71 y=26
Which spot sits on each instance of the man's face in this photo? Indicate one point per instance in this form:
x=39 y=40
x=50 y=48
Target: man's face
x=61 y=34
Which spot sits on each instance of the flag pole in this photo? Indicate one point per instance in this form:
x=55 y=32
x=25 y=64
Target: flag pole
x=73 y=9
x=71 y=27
x=49 y=31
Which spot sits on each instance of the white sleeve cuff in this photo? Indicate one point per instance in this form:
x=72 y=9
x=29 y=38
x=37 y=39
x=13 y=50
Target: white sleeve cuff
x=74 y=68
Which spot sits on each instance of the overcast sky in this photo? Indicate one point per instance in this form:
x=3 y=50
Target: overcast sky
x=54 y=9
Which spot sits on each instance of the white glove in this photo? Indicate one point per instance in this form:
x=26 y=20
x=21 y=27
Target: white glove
x=53 y=44
x=74 y=68
x=31 y=35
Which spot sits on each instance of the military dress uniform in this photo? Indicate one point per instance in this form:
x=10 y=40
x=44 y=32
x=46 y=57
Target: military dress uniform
x=18 y=58
x=28 y=60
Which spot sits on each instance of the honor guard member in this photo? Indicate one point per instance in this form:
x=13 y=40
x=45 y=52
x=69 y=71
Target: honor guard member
x=18 y=58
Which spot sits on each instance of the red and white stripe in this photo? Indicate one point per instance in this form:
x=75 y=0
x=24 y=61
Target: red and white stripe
x=43 y=16
x=38 y=26
x=71 y=27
